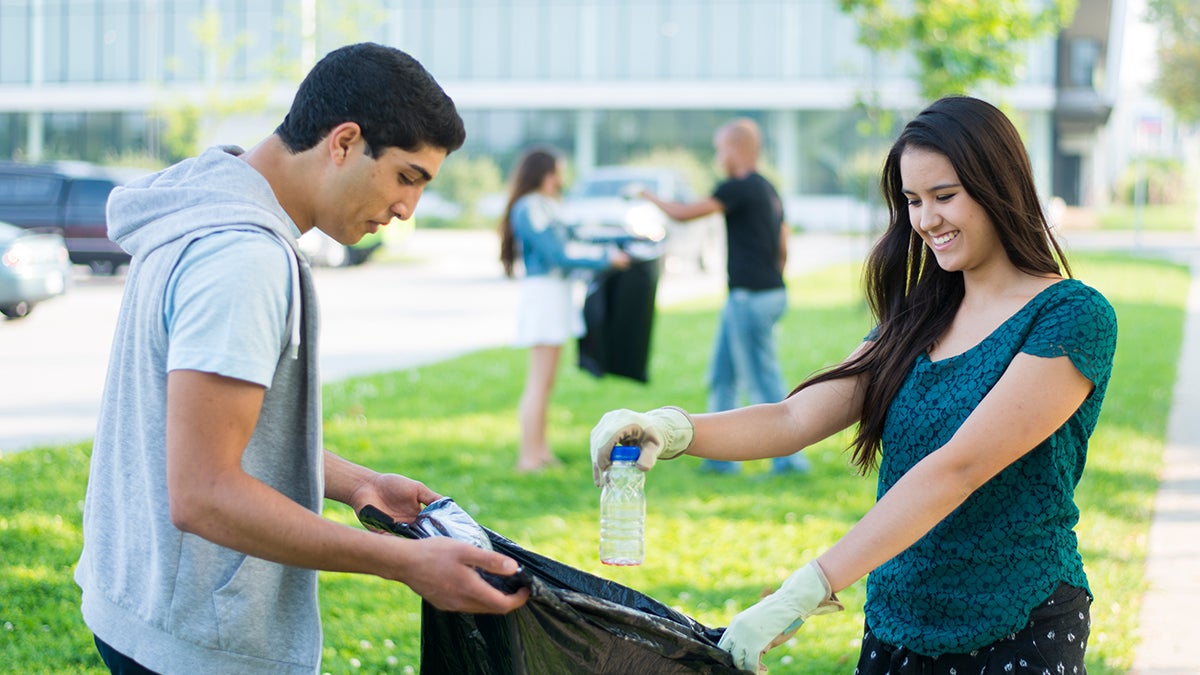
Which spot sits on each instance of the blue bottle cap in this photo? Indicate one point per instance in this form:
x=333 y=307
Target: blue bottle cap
x=625 y=453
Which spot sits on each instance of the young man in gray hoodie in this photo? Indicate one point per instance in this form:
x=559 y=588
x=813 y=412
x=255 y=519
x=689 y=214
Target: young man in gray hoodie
x=202 y=525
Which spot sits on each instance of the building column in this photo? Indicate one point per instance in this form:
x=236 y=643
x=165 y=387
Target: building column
x=585 y=119
x=785 y=151
x=1095 y=164
x=308 y=34
x=585 y=141
x=35 y=132
x=1041 y=150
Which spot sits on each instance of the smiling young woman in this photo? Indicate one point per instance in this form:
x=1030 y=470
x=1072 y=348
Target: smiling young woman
x=974 y=397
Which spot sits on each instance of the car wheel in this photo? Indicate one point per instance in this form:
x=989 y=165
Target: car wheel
x=358 y=256
x=17 y=311
x=104 y=268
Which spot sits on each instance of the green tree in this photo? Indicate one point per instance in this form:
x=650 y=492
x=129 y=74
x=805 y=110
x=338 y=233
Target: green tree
x=1178 y=79
x=183 y=119
x=466 y=180
x=959 y=44
x=180 y=136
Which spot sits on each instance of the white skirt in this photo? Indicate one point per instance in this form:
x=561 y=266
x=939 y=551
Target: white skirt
x=549 y=311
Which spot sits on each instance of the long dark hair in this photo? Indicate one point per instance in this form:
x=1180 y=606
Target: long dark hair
x=912 y=298
x=531 y=170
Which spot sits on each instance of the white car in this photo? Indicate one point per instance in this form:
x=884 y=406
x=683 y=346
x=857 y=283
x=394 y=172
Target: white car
x=603 y=205
x=323 y=251
x=34 y=266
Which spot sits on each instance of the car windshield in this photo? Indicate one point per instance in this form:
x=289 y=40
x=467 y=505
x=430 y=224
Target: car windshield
x=612 y=187
x=28 y=189
x=90 y=192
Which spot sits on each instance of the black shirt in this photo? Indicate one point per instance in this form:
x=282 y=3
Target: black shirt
x=753 y=216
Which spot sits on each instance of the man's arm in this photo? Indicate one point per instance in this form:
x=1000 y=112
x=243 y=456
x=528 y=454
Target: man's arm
x=783 y=246
x=690 y=211
x=210 y=419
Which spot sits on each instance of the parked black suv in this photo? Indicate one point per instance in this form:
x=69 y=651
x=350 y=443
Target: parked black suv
x=68 y=198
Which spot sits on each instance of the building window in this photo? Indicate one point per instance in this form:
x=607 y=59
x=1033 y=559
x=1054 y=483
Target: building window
x=14 y=41
x=13 y=129
x=101 y=137
x=1084 y=53
x=182 y=55
x=118 y=40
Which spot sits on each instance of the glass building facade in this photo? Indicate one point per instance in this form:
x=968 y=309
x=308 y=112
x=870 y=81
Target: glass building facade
x=602 y=79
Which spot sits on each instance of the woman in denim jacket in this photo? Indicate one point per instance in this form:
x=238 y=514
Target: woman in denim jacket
x=548 y=314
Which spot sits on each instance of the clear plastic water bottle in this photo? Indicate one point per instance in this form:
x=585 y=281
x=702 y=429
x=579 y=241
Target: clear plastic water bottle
x=623 y=509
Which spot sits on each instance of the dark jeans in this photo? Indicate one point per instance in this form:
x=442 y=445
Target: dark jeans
x=1054 y=641
x=118 y=663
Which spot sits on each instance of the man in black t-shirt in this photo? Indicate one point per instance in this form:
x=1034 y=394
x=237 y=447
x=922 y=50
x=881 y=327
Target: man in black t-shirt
x=744 y=355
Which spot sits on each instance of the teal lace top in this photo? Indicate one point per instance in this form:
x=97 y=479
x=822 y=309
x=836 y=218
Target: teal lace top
x=976 y=576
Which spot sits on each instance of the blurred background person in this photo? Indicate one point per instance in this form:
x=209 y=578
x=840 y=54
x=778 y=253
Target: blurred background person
x=548 y=313
x=744 y=354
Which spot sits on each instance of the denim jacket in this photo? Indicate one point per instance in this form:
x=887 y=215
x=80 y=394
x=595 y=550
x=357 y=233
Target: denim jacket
x=543 y=238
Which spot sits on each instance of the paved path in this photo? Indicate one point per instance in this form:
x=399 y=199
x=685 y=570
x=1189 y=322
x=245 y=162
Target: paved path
x=448 y=298
x=1169 y=636
x=1169 y=640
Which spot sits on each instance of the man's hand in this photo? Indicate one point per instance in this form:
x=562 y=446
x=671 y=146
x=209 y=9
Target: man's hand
x=776 y=617
x=662 y=433
x=445 y=572
x=400 y=497
x=619 y=260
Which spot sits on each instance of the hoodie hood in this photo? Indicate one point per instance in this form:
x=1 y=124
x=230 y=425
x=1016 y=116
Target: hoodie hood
x=211 y=192
x=216 y=186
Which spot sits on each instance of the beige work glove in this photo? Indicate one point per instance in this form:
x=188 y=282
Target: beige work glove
x=662 y=433
x=778 y=616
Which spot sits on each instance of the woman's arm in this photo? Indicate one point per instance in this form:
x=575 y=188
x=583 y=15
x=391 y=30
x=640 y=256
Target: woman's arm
x=779 y=429
x=551 y=245
x=536 y=225
x=1033 y=398
x=767 y=430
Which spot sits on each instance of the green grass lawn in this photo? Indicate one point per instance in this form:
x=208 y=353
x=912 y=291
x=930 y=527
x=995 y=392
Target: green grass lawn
x=713 y=543
x=1179 y=217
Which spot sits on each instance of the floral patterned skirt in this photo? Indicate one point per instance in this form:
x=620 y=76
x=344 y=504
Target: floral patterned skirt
x=1053 y=643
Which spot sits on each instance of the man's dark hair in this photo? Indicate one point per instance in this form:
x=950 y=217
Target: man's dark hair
x=389 y=94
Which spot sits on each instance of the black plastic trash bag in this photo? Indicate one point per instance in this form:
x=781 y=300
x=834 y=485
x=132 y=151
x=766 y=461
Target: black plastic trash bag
x=575 y=623
x=618 y=314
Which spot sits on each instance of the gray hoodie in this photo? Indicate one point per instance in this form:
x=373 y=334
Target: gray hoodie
x=173 y=601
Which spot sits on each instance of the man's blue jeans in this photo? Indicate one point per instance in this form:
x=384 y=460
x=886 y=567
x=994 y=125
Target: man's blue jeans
x=744 y=356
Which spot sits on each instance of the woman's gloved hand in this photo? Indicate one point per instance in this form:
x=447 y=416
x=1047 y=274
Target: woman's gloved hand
x=778 y=616
x=662 y=433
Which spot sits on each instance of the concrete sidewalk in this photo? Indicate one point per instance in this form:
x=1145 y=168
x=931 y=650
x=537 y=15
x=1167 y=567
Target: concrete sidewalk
x=1169 y=641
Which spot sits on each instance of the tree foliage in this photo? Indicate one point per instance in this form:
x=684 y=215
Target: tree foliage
x=466 y=180
x=1178 y=79
x=959 y=44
